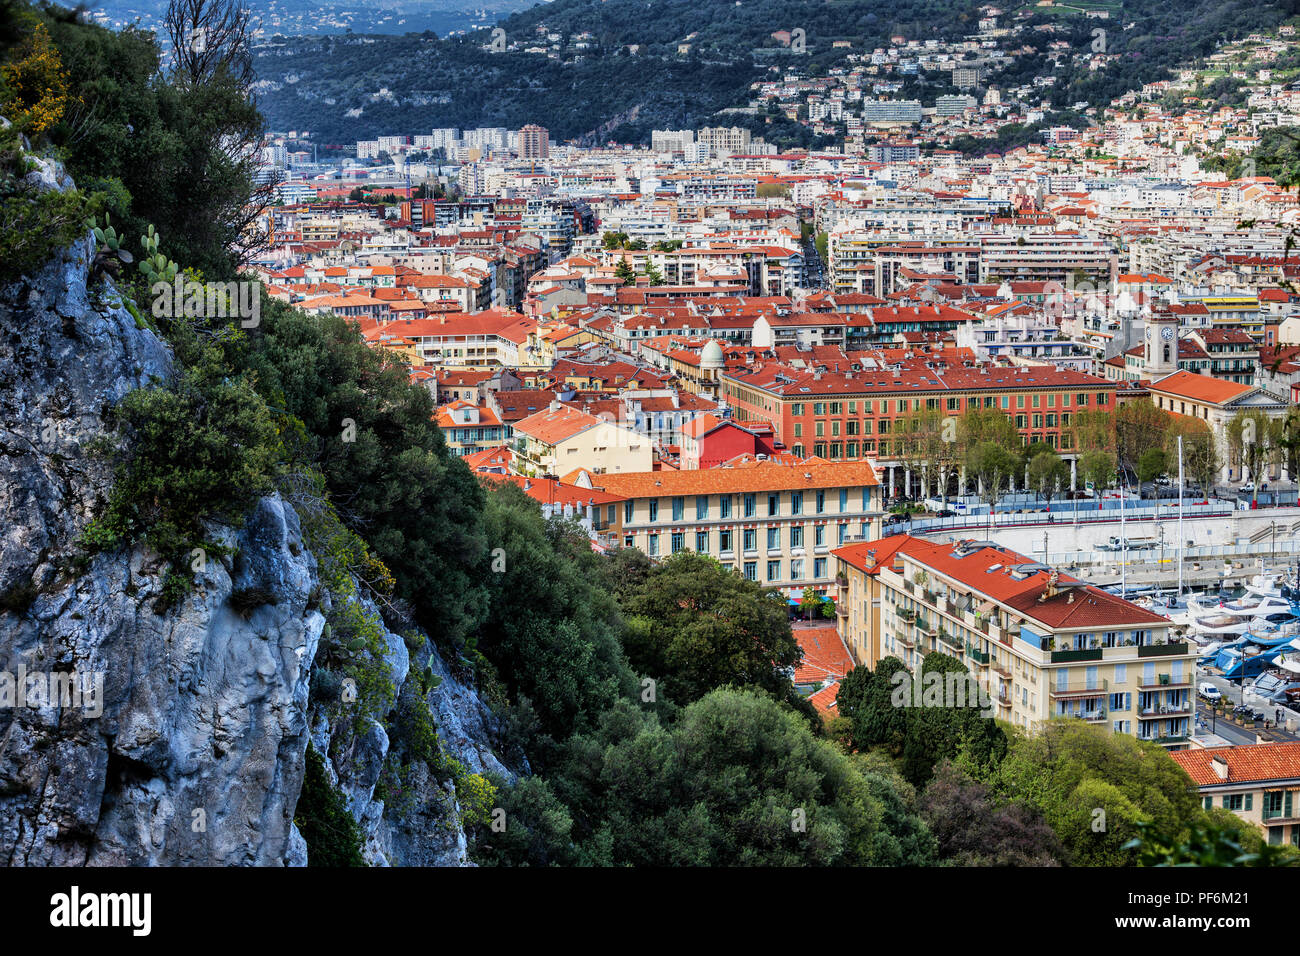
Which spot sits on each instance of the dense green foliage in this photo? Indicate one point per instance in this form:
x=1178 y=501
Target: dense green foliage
x=158 y=149
x=551 y=631
x=455 y=82
x=735 y=780
x=198 y=447
x=1093 y=788
x=973 y=826
x=34 y=223
x=332 y=836
x=918 y=726
x=371 y=434
x=695 y=625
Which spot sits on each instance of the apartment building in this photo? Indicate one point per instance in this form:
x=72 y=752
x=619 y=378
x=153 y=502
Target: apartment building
x=561 y=439
x=1044 y=256
x=1258 y=782
x=851 y=415
x=534 y=142
x=469 y=428
x=725 y=139
x=1045 y=645
x=775 y=523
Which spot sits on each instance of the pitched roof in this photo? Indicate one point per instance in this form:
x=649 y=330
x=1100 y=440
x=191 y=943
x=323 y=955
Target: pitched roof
x=1200 y=388
x=1248 y=763
x=757 y=477
x=553 y=426
x=824 y=655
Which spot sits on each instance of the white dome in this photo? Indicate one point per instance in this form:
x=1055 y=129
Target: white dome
x=711 y=355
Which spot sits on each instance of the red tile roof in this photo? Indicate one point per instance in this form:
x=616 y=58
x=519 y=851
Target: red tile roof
x=758 y=477
x=1249 y=763
x=1200 y=388
x=825 y=658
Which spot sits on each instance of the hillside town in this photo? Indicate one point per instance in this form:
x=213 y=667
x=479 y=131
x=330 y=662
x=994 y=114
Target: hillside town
x=897 y=467
x=712 y=345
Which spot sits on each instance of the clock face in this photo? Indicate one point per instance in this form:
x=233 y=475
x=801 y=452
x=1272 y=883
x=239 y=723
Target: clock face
x=1167 y=333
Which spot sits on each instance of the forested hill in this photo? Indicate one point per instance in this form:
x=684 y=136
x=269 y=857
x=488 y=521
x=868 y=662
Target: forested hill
x=615 y=69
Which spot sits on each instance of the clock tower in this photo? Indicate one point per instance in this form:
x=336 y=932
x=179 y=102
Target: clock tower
x=1161 y=345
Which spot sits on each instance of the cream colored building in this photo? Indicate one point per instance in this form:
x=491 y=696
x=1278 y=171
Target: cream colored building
x=1257 y=782
x=1043 y=644
x=775 y=523
x=562 y=439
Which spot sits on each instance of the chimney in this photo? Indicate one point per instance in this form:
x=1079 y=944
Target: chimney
x=528 y=485
x=1220 y=766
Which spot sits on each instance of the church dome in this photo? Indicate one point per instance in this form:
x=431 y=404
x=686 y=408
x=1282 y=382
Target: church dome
x=711 y=355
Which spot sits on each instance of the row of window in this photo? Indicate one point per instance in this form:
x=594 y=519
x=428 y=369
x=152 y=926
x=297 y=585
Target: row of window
x=750 y=504
x=748 y=539
x=798 y=566
x=901 y=406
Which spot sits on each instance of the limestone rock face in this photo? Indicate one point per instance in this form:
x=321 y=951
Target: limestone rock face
x=190 y=744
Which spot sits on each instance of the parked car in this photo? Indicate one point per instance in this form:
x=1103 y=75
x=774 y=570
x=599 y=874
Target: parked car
x=1247 y=488
x=1209 y=693
x=946 y=513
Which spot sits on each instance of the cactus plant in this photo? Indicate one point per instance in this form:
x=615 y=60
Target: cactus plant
x=109 y=254
x=155 y=267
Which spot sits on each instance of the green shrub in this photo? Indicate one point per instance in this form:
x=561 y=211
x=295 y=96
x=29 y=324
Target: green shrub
x=34 y=223
x=332 y=836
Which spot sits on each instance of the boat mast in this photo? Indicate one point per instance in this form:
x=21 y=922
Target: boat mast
x=1182 y=542
x=1123 y=542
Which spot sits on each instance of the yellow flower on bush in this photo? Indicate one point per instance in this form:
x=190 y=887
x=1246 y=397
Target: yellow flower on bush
x=477 y=795
x=35 y=85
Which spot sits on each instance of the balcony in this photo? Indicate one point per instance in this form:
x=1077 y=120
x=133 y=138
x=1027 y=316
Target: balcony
x=1171 y=649
x=906 y=639
x=1079 y=690
x=953 y=644
x=1166 y=710
x=1001 y=670
x=1096 y=715
x=1068 y=657
x=979 y=657
x=1164 y=682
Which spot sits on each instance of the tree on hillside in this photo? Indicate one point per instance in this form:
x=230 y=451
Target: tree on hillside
x=735 y=780
x=551 y=631
x=865 y=699
x=1093 y=787
x=695 y=625
x=212 y=68
x=973 y=826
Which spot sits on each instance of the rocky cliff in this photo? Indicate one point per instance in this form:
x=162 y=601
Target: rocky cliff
x=190 y=745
